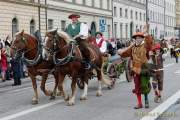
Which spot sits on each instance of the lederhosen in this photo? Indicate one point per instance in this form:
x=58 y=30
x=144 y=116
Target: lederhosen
x=158 y=73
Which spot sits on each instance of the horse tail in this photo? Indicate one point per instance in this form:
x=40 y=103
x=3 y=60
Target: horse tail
x=105 y=78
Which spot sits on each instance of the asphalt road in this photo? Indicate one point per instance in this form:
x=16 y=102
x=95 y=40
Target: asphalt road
x=115 y=104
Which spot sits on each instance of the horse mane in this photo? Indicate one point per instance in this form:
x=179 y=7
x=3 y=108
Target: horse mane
x=64 y=35
x=16 y=34
x=26 y=35
x=149 y=42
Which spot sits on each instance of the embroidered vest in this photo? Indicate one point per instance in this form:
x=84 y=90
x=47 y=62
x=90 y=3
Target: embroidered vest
x=73 y=31
x=98 y=44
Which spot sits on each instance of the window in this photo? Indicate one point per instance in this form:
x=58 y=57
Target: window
x=84 y=2
x=108 y=4
x=93 y=3
x=115 y=11
x=31 y=0
x=109 y=31
x=115 y=30
x=141 y=28
x=74 y=1
x=131 y=14
x=121 y=30
x=137 y=28
x=140 y=15
x=136 y=15
x=126 y=30
x=50 y=24
x=93 y=28
x=144 y=17
x=101 y=4
x=14 y=26
x=120 y=12
x=32 y=26
x=126 y=13
x=63 y=25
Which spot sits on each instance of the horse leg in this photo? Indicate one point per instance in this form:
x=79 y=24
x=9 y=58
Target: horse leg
x=34 y=84
x=99 y=76
x=61 y=87
x=43 y=88
x=74 y=90
x=84 y=95
x=53 y=96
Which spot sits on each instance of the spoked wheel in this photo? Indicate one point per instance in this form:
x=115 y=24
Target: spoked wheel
x=113 y=84
x=112 y=74
x=128 y=70
x=80 y=83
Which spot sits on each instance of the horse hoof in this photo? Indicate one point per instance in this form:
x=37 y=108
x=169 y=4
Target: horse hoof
x=83 y=98
x=34 y=102
x=66 y=98
x=50 y=92
x=109 y=87
x=59 y=93
x=52 y=97
x=99 y=94
x=70 y=103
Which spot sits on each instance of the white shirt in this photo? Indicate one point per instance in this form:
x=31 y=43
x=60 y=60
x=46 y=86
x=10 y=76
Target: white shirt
x=84 y=30
x=103 y=47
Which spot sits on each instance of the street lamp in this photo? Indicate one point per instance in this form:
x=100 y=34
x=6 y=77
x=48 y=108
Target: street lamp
x=147 y=16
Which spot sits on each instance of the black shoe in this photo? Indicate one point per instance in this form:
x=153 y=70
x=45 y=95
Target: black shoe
x=14 y=84
x=19 y=82
x=138 y=106
x=3 y=80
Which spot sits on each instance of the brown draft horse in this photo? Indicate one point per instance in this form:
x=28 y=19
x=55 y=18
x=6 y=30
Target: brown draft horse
x=68 y=60
x=29 y=49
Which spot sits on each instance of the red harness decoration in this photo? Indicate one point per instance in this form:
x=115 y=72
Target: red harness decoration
x=98 y=44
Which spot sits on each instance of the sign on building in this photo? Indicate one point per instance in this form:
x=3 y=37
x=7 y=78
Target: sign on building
x=102 y=24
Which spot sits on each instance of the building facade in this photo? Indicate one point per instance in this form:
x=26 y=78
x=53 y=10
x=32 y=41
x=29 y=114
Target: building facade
x=31 y=15
x=178 y=13
x=156 y=17
x=170 y=19
x=178 y=17
x=129 y=16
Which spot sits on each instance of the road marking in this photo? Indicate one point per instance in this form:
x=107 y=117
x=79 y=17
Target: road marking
x=158 y=111
x=177 y=72
x=21 y=89
x=29 y=87
x=170 y=64
x=25 y=112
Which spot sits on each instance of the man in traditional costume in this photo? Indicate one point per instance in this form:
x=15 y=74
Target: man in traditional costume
x=78 y=31
x=138 y=52
x=100 y=42
x=177 y=52
x=158 y=73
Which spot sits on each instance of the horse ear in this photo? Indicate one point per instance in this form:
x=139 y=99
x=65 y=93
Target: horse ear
x=56 y=30
x=22 y=32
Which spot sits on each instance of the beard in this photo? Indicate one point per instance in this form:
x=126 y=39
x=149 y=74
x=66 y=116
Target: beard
x=138 y=41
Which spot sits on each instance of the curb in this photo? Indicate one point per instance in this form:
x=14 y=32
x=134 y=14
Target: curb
x=158 y=111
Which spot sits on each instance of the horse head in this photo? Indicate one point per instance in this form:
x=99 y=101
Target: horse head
x=53 y=43
x=22 y=44
x=149 y=42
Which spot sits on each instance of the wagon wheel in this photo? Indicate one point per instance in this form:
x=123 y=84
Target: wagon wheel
x=128 y=70
x=113 y=84
x=111 y=73
x=80 y=83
